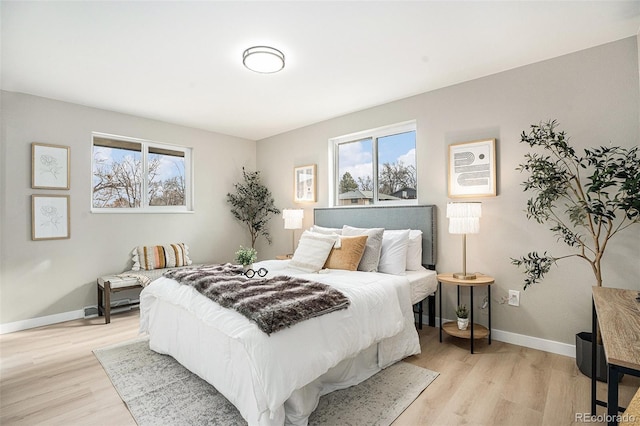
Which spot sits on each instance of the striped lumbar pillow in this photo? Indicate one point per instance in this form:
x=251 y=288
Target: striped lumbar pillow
x=159 y=257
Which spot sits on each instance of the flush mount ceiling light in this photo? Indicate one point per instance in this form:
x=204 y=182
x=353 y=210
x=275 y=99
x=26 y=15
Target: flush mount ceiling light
x=263 y=59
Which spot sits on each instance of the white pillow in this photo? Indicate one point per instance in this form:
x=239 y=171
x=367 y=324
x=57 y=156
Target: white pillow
x=334 y=232
x=393 y=257
x=324 y=230
x=313 y=251
x=414 y=251
x=371 y=256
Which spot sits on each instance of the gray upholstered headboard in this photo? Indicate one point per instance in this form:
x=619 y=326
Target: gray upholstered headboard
x=388 y=217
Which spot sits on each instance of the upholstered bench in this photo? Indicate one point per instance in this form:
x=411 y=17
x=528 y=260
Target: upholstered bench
x=109 y=284
x=149 y=263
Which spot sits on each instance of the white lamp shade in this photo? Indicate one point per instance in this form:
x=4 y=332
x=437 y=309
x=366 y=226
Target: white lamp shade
x=464 y=218
x=292 y=218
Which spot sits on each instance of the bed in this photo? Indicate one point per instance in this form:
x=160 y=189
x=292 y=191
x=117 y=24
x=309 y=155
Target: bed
x=278 y=378
x=423 y=218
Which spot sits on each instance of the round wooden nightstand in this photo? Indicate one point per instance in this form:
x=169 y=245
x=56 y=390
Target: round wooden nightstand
x=476 y=331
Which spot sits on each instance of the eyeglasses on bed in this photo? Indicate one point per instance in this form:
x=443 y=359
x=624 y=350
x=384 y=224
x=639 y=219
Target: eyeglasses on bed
x=250 y=273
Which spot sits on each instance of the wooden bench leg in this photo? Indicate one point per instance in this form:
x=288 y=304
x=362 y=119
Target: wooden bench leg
x=107 y=302
x=104 y=299
x=100 y=301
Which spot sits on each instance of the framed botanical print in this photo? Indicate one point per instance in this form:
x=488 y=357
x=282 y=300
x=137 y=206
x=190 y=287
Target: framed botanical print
x=49 y=166
x=50 y=217
x=304 y=178
x=472 y=169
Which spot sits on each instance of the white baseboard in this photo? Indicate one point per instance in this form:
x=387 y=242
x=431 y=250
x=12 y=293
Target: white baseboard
x=499 y=335
x=535 y=343
x=62 y=317
x=527 y=341
x=40 y=321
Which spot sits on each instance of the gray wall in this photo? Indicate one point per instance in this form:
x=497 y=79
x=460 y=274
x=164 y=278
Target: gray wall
x=594 y=94
x=40 y=278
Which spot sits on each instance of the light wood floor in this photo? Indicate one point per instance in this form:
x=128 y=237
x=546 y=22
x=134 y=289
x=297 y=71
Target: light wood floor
x=49 y=376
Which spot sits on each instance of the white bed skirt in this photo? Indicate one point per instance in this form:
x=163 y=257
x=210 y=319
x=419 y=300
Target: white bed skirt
x=234 y=380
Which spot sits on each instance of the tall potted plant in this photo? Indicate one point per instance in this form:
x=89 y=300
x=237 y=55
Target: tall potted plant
x=253 y=205
x=585 y=200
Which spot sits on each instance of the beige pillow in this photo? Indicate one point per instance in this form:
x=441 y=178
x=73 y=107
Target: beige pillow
x=348 y=255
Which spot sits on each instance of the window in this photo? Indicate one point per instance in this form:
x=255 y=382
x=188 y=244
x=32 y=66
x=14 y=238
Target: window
x=133 y=175
x=376 y=166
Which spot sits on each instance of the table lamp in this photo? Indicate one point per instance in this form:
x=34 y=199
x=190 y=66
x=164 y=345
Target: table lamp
x=464 y=218
x=293 y=220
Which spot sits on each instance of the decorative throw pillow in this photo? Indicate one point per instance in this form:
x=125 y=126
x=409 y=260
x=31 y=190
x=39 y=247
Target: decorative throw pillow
x=371 y=255
x=414 y=250
x=312 y=252
x=159 y=257
x=393 y=257
x=348 y=255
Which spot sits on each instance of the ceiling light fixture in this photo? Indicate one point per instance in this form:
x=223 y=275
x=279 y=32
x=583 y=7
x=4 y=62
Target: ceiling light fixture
x=263 y=59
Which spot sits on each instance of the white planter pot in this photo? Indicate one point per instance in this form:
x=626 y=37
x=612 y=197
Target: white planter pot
x=463 y=323
x=245 y=268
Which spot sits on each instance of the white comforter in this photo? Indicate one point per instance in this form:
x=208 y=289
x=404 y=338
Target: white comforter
x=289 y=359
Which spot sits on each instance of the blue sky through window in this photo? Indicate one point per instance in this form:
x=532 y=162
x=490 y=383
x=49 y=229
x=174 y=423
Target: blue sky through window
x=357 y=157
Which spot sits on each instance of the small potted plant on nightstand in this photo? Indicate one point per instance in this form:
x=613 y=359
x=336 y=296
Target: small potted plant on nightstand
x=246 y=257
x=463 y=317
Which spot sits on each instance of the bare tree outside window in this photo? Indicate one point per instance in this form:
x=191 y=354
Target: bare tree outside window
x=117 y=183
x=365 y=184
x=395 y=177
x=119 y=178
x=166 y=182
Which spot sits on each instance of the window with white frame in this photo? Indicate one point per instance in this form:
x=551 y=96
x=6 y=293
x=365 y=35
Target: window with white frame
x=134 y=175
x=376 y=166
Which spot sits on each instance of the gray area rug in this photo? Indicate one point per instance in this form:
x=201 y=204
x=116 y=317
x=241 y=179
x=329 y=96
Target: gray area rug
x=159 y=391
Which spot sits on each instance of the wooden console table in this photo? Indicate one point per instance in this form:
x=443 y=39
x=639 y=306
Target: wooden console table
x=617 y=313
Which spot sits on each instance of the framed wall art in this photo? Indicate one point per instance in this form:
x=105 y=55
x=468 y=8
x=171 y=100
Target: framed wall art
x=472 y=169
x=50 y=217
x=49 y=166
x=304 y=178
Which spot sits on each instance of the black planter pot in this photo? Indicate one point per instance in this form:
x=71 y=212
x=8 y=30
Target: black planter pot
x=583 y=357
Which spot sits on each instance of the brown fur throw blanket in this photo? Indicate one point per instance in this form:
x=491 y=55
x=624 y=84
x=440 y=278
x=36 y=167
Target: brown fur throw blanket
x=272 y=303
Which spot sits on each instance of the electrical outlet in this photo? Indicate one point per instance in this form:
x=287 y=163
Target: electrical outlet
x=514 y=297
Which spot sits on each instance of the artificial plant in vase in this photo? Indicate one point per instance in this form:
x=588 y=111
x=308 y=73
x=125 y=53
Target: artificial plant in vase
x=462 y=313
x=585 y=199
x=253 y=205
x=246 y=257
